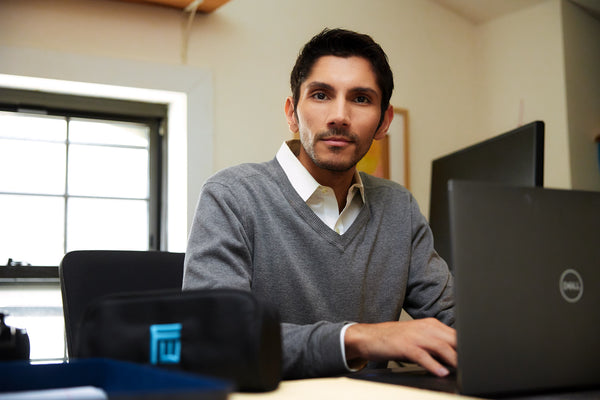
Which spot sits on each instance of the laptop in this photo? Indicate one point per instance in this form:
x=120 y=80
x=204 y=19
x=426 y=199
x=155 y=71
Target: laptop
x=527 y=282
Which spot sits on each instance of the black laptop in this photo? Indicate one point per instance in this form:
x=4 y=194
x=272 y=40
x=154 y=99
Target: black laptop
x=527 y=277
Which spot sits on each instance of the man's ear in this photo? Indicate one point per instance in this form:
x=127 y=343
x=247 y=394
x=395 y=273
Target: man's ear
x=388 y=116
x=291 y=115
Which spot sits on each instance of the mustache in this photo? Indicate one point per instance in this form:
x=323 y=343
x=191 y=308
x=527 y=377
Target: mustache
x=336 y=132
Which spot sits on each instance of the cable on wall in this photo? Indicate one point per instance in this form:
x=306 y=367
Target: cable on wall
x=191 y=8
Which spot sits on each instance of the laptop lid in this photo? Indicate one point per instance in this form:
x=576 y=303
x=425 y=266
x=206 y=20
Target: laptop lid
x=527 y=283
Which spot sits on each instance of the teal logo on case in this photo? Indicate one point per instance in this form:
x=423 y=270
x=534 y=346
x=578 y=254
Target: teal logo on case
x=165 y=344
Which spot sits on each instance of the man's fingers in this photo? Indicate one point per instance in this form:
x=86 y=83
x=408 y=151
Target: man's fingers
x=444 y=350
x=449 y=335
x=437 y=345
x=426 y=342
x=442 y=331
x=425 y=360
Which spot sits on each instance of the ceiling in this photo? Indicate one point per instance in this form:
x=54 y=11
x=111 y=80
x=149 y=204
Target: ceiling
x=205 y=6
x=477 y=11
x=480 y=11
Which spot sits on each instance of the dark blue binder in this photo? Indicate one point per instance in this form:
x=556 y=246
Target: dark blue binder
x=120 y=380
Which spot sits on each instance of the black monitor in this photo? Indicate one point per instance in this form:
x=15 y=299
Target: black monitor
x=515 y=158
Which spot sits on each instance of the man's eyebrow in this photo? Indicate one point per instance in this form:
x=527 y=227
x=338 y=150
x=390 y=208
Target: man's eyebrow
x=325 y=86
x=318 y=85
x=368 y=90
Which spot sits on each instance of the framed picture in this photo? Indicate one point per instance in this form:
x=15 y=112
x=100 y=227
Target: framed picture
x=377 y=160
x=389 y=158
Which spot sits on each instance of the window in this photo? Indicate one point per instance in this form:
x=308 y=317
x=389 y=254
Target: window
x=77 y=173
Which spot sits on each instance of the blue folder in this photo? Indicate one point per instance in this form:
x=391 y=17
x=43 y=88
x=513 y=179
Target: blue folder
x=119 y=380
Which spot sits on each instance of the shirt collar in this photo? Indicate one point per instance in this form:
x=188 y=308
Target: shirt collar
x=302 y=181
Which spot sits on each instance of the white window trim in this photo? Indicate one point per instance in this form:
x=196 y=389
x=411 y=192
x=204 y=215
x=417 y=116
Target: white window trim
x=187 y=91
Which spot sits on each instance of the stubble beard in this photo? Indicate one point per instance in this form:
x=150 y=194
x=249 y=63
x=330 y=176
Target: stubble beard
x=332 y=164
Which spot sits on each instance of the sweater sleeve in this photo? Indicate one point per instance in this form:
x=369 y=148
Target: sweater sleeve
x=430 y=283
x=312 y=350
x=219 y=254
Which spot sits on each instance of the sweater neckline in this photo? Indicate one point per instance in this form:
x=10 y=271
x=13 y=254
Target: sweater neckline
x=308 y=215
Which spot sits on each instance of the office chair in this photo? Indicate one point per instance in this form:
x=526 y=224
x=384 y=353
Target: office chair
x=90 y=274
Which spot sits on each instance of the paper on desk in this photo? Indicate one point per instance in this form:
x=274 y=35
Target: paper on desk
x=73 y=393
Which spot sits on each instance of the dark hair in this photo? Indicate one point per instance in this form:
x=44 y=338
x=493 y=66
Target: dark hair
x=343 y=43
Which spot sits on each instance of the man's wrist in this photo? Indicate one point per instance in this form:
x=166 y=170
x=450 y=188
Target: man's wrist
x=350 y=350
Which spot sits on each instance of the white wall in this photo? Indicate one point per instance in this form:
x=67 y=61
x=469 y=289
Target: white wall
x=522 y=80
x=582 y=66
x=250 y=47
x=461 y=82
x=542 y=63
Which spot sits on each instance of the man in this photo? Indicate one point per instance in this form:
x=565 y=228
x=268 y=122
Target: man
x=340 y=253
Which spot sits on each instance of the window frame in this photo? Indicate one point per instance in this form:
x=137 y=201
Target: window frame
x=154 y=115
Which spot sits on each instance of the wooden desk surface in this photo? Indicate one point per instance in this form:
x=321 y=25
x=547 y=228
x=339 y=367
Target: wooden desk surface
x=343 y=389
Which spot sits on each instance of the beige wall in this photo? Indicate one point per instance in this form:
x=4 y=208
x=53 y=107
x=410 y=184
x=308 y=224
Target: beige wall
x=541 y=64
x=582 y=66
x=250 y=47
x=522 y=80
x=461 y=82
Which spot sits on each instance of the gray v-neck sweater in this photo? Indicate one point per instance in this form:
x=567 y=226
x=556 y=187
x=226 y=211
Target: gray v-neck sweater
x=253 y=231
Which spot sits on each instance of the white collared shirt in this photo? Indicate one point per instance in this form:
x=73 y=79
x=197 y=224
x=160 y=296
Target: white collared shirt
x=321 y=199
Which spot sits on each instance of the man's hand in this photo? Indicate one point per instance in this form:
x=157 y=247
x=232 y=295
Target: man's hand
x=427 y=342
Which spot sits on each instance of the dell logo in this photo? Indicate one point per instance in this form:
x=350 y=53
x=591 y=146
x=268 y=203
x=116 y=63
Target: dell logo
x=571 y=285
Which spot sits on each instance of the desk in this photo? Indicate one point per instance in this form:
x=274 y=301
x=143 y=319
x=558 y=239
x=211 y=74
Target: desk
x=343 y=389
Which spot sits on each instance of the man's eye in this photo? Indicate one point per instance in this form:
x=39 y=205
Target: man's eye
x=319 y=96
x=362 y=99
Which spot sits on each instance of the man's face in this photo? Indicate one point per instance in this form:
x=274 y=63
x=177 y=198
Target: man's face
x=338 y=114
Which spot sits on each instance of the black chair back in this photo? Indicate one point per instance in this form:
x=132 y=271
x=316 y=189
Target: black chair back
x=87 y=275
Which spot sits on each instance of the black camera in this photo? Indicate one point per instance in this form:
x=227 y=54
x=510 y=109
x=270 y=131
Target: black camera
x=14 y=342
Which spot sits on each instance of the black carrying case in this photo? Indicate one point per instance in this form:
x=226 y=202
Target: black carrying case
x=226 y=333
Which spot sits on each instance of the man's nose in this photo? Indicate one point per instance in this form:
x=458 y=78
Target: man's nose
x=339 y=115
